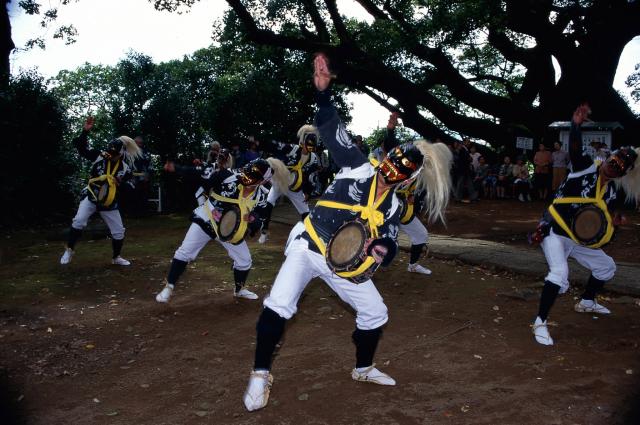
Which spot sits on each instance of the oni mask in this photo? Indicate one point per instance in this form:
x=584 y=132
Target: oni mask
x=402 y=163
x=255 y=172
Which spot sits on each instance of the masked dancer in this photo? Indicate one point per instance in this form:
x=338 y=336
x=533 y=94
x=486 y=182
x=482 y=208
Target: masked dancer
x=234 y=207
x=359 y=209
x=301 y=160
x=580 y=220
x=109 y=169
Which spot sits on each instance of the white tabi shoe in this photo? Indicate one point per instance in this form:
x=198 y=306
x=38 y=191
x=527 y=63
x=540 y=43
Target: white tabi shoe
x=417 y=268
x=264 y=237
x=257 y=394
x=591 y=306
x=373 y=375
x=541 y=332
x=67 y=256
x=119 y=261
x=246 y=294
x=165 y=295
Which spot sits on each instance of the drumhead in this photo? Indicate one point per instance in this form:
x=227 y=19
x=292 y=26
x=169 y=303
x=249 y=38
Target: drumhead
x=103 y=192
x=228 y=223
x=589 y=225
x=346 y=245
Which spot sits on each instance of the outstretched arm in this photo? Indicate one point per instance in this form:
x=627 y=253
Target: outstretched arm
x=81 y=143
x=390 y=140
x=332 y=131
x=579 y=160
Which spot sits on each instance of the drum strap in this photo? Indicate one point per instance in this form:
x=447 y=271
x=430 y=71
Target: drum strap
x=323 y=250
x=405 y=192
x=598 y=201
x=111 y=181
x=367 y=212
x=245 y=203
x=297 y=169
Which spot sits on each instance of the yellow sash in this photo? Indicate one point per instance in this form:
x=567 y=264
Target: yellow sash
x=369 y=213
x=405 y=193
x=297 y=170
x=111 y=181
x=598 y=201
x=245 y=204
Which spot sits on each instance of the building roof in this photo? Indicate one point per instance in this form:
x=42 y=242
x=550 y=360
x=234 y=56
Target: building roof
x=589 y=125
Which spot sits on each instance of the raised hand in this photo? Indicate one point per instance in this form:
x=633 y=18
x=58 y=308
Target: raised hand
x=88 y=124
x=321 y=74
x=169 y=167
x=581 y=113
x=393 y=120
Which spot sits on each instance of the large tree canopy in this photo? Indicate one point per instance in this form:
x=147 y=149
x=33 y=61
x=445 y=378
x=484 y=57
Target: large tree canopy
x=476 y=67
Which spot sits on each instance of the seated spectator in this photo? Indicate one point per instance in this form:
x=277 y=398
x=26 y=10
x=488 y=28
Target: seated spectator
x=475 y=157
x=481 y=175
x=505 y=177
x=522 y=183
x=490 y=183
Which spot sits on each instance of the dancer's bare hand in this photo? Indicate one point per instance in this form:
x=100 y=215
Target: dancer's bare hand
x=321 y=74
x=393 y=120
x=88 y=124
x=581 y=113
x=169 y=167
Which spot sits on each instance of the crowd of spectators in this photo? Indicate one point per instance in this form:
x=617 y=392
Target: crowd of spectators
x=521 y=178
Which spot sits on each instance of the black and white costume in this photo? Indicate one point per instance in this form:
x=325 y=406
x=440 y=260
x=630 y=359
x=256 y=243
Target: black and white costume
x=301 y=165
x=224 y=188
x=305 y=261
x=582 y=188
x=108 y=170
x=412 y=201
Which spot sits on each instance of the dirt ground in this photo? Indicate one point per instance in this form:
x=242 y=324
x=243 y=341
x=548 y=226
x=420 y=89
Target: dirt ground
x=87 y=343
x=510 y=221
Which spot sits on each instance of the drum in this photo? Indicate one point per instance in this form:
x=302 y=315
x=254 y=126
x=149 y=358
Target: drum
x=296 y=178
x=589 y=225
x=105 y=194
x=346 y=251
x=229 y=223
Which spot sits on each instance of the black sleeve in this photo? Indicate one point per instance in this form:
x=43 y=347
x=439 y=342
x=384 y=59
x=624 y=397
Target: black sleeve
x=390 y=140
x=579 y=160
x=333 y=134
x=82 y=145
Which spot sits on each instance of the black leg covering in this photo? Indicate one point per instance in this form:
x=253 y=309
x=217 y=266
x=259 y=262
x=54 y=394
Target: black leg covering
x=593 y=287
x=267 y=217
x=548 y=297
x=176 y=270
x=269 y=328
x=74 y=235
x=116 y=246
x=304 y=215
x=416 y=252
x=240 y=277
x=366 y=344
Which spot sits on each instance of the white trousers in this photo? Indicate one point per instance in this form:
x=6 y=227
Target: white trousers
x=296 y=198
x=302 y=265
x=112 y=218
x=196 y=239
x=557 y=249
x=416 y=231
